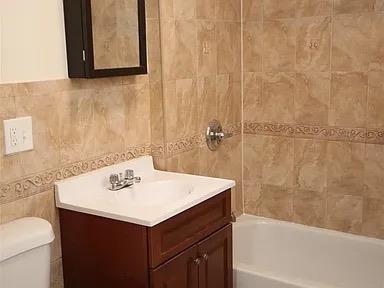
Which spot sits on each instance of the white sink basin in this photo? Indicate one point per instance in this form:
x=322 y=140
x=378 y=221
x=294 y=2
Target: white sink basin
x=160 y=195
x=158 y=192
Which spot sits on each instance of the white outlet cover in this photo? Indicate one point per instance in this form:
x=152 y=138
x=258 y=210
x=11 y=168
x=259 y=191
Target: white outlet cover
x=18 y=135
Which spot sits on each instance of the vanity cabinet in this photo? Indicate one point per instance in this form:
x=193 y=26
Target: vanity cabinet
x=205 y=265
x=190 y=250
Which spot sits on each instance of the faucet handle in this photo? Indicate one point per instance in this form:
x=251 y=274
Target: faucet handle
x=129 y=174
x=114 y=179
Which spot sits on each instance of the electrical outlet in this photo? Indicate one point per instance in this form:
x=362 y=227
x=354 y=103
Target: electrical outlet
x=18 y=135
x=13 y=136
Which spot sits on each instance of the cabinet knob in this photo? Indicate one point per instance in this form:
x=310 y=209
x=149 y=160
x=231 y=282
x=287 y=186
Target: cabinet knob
x=205 y=257
x=197 y=261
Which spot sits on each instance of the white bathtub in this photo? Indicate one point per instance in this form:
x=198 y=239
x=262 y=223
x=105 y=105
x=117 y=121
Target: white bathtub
x=276 y=254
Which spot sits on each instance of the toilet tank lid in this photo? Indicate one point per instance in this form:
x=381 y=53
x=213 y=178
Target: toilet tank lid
x=22 y=235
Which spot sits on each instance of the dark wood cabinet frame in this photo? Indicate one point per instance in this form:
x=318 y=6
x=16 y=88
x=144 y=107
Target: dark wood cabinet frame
x=79 y=41
x=100 y=252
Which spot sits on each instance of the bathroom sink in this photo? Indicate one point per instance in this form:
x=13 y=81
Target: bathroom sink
x=157 y=193
x=159 y=196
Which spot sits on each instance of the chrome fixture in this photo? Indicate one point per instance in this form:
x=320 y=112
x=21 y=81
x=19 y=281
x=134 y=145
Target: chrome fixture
x=215 y=135
x=118 y=181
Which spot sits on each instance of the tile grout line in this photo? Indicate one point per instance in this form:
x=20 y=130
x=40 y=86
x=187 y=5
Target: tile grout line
x=242 y=105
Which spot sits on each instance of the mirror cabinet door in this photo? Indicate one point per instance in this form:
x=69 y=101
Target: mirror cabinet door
x=105 y=38
x=115 y=31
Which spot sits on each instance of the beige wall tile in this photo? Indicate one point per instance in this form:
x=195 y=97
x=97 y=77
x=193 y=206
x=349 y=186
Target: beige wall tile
x=351 y=50
x=252 y=198
x=252 y=172
x=6 y=90
x=179 y=48
x=166 y=9
x=7 y=111
x=207 y=54
x=207 y=101
x=279 y=9
x=374 y=171
x=373 y=218
x=276 y=202
x=228 y=10
x=152 y=9
x=12 y=211
x=228 y=91
x=309 y=208
x=89 y=120
x=153 y=53
x=278 y=161
x=180 y=108
x=310 y=8
x=252 y=10
x=345 y=213
x=228 y=37
x=279 y=45
x=57 y=280
x=137 y=111
x=377 y=42
x=184 y=9
x=375 y=107
x=348 y=99
x=229 y=166
x=313 y=44
x=208 y=162
x=278 y=97
x=312 y=98
x=186 y=162
x=353 y=6
x=379 y=6
x=252 y=96
x=345 y=168
x=206 y=9
x=157 y=113
x=311 y=165
x=252 y=46
x=253 y=159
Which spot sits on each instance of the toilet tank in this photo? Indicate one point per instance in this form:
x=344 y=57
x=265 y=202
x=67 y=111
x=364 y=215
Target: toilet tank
x=25 y=253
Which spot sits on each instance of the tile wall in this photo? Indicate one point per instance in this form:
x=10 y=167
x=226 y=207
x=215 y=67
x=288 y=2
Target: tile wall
x=201 y=60
x=313 y=112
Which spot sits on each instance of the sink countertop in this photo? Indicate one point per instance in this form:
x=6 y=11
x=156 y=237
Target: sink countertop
x=160 y=195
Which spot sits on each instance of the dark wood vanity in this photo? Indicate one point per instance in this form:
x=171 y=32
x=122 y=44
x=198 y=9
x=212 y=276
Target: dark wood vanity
x=190 y=250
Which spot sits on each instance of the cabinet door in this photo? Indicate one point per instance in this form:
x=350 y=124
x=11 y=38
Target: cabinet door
x=215 y=252
x=179 y=272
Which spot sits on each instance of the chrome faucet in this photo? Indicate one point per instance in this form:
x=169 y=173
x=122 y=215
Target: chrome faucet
x=120 y=181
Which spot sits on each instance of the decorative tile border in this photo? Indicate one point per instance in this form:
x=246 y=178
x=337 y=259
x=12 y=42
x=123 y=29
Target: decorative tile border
x=375 y=136
x=235 y=128
x=359 y=135
x=269 y=129
x=184 y=145
x=331 y=133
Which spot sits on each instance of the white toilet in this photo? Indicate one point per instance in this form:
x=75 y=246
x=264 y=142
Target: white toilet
x=25 y=253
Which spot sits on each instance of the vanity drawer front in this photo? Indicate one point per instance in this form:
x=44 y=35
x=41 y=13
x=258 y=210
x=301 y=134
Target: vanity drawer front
x=169 y=238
